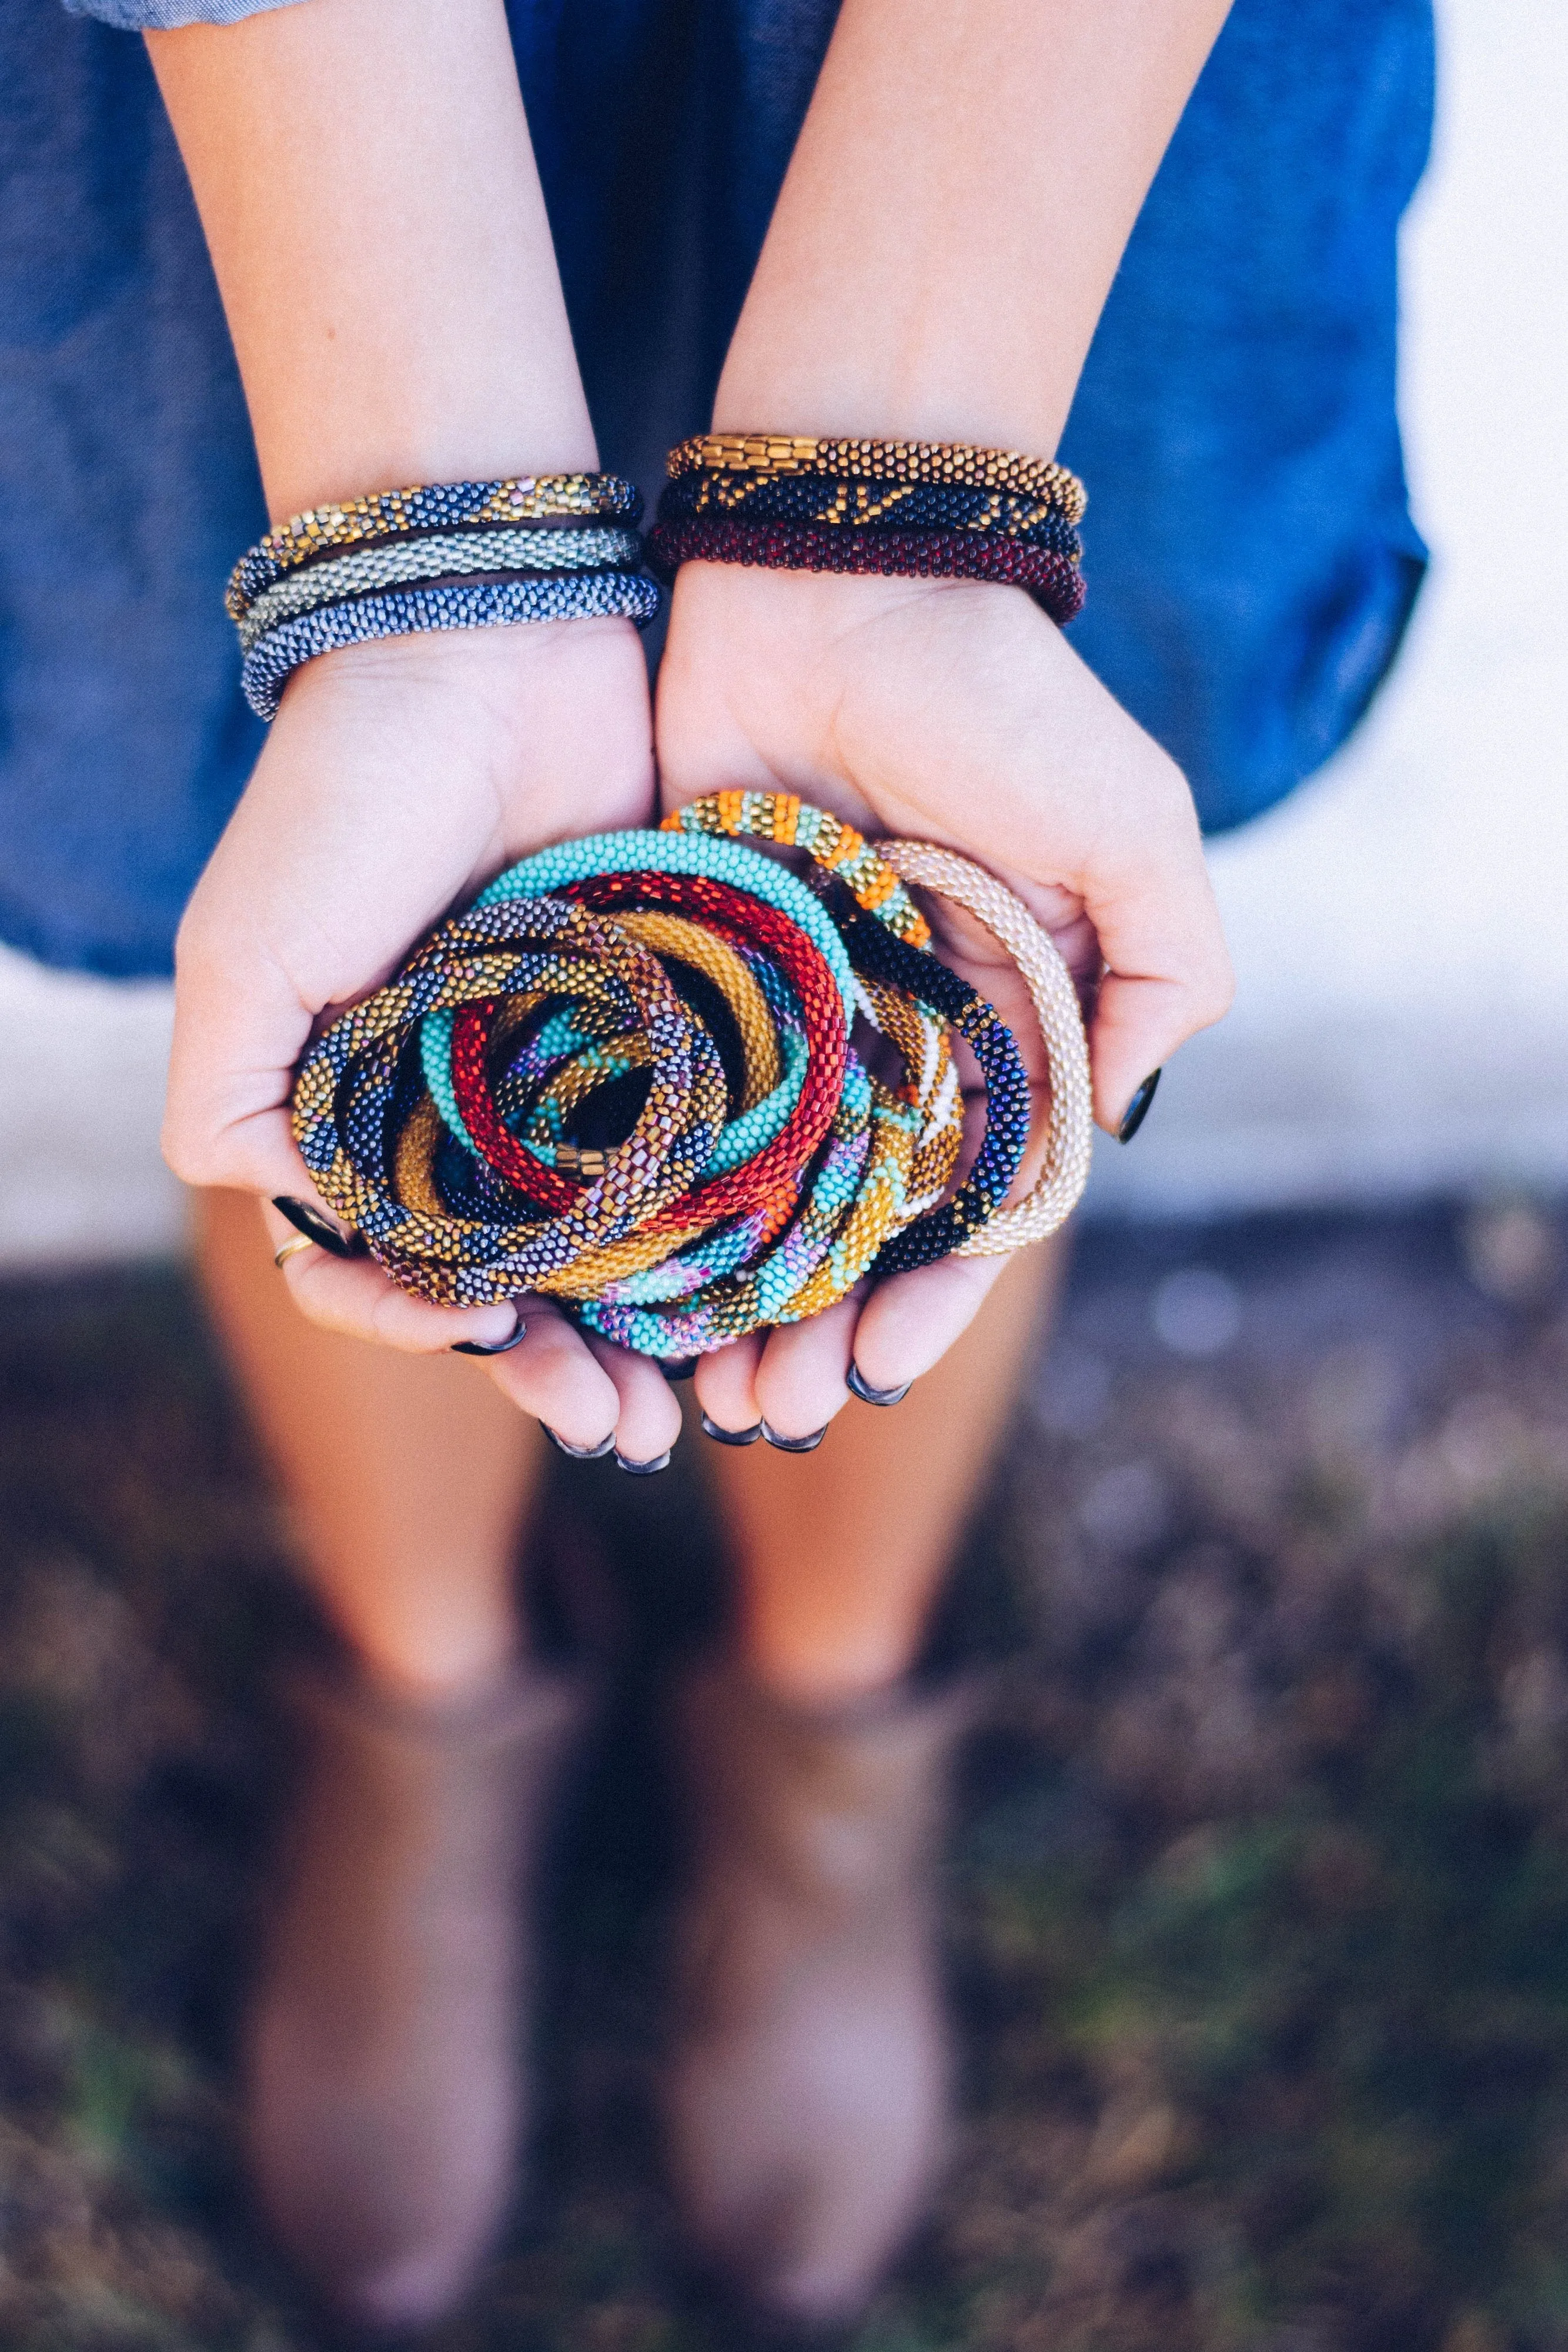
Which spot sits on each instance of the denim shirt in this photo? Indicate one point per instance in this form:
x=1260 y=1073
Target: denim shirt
x=1250 y=556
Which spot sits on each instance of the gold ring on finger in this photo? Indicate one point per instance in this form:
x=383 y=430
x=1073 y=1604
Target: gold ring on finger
x=295 y=1242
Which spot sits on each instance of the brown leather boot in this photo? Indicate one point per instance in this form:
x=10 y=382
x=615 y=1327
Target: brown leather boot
x=807 y=2093
x=384 y=2094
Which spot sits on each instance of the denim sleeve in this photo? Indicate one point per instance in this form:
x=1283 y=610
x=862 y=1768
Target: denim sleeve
x=164 y=16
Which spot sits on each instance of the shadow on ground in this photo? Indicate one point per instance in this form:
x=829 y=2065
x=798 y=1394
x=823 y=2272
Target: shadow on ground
x=1257 y=1916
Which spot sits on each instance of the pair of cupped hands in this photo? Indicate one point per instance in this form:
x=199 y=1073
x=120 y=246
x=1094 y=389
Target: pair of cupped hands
x=399 y=777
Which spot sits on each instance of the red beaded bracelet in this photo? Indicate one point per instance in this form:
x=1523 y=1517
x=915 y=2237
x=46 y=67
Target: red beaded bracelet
x=1055 y=584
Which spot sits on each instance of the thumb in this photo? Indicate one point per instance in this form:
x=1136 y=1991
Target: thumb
x=1167 y=975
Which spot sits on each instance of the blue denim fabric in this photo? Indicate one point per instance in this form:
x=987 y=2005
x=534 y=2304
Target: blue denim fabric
x=1252 y=560
x=1249 y=552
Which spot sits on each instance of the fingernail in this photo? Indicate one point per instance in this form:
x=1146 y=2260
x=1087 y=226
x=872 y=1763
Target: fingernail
x=1138 y=1108
x=578 y=1453
x=319 y=1229
x=731 y=1436
x=681 y=1372
x=501 y=1347
x=645 y=1469
x=794 y=1444
x=858 y=1385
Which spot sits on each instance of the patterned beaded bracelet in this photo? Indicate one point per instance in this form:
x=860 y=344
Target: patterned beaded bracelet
x=404 y=612
x=349 y=1089
x=841 y=501
x=930 y=982
x=903 y=510
x=427 y=507
x=898 y=461
x=626 y=1077
x=1055 y=582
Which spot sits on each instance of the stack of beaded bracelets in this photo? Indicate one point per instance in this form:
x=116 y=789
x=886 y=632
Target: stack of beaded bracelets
x=448 y=555
x=626 y=1078
x=909 y=508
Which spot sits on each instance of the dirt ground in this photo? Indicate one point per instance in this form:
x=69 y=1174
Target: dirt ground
x=1258 y=1913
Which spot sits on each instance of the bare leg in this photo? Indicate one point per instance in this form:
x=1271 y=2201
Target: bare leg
x=408 y=1477
x=840 y=1553
x=385 y=2012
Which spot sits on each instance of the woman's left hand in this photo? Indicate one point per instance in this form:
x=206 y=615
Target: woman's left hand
x=953 y=712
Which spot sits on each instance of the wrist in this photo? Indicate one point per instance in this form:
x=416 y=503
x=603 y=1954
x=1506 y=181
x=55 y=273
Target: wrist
x=778 y=378
x=860 y=507
x=432 y=559
x=368 y=443
x=545 y=730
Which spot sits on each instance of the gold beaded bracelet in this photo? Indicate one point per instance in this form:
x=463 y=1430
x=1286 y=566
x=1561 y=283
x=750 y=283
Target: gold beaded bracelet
x=882 y=461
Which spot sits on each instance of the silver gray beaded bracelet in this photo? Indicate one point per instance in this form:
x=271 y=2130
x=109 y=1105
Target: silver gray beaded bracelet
x=442 y=556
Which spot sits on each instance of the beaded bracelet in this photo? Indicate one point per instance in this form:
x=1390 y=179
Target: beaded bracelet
x=899 y=461
x=1053 y=581
x=1070 y=1140
x=900 y=508
x=439 y=557
x=405 y=612
x=625 y=1076
x=930 y=982
x=347 y=1087
x=435 y=556
x=841 y=501
x=439 y=506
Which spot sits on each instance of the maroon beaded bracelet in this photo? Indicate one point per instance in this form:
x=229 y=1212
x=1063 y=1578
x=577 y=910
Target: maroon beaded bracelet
x=1055 y=584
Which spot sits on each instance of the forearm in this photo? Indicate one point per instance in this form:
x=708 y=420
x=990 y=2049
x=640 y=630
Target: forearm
x=367 y=187
x=955 y=211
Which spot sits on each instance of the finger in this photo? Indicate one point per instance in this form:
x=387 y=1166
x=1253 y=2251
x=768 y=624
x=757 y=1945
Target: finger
x=553 y=1375
x=254 y=1153
x=1168 y=972
x=1154 y=924
x=354 y=1297
x=239 y=1025
x=911 y=1320
x=801 y=1380
x=726 y=1385
x=1137 y=1028
x=648 y=1412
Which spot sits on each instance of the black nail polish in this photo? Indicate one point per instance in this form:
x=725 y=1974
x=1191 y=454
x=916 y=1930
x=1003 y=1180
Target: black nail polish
x=501 y=1347
x=317 y=1228
x=858 y=1385
x=731 y=1436
x=645 y=1469
x=1138 y=1108
x=578 y=1453
x=794 y=1444
x=681 y=1372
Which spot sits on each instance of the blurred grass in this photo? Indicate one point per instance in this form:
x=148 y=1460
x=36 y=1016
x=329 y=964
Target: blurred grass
x=1258 y=1910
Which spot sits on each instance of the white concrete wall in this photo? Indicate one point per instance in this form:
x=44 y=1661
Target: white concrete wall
x=81 y=1087
x=1399 y=928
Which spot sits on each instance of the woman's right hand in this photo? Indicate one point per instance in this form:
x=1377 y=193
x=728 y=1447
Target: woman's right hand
x=399 y=778
x=950 y=711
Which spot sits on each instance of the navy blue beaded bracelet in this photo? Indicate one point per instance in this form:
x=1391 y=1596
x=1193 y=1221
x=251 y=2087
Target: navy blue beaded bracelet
x=441 y=558
x=877 y=953
x=842 y=503
x=405 y=612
